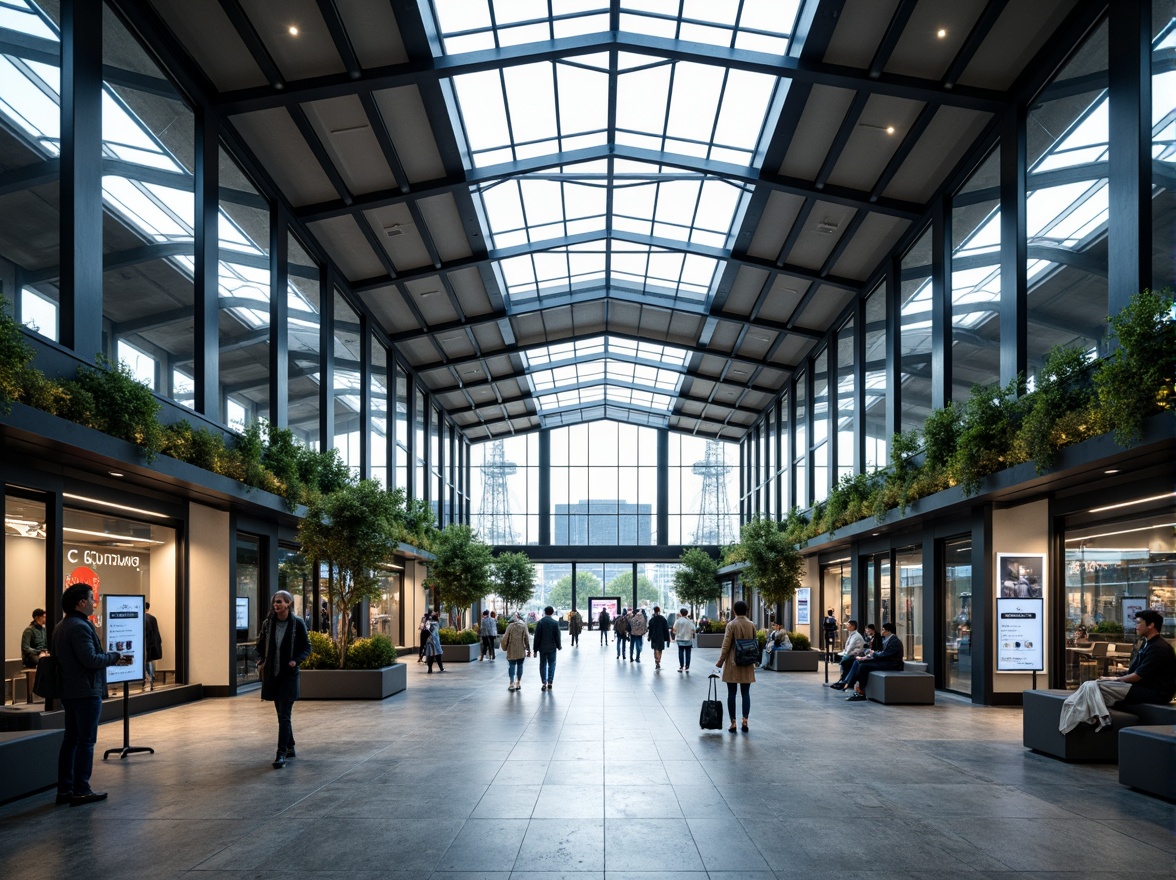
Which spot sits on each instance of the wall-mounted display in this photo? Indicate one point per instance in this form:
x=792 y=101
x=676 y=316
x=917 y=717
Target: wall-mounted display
x=802 y=606
x=1020 y=576
x=122 y=632
x=1020 y=633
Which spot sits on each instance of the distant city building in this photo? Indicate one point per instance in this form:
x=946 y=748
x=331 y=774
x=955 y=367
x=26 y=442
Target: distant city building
x=603 y=522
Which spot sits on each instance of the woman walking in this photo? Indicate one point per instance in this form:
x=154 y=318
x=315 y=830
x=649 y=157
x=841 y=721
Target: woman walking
x=282 y=645
x=659 y=635
x=517 y=645
x=433 y=649
x=737 y=677
x=684 y=636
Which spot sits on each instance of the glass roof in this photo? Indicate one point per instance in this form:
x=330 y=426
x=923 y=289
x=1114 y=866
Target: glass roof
x=615 y=171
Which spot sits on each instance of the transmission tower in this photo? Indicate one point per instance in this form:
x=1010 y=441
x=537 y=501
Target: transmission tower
x=714 y=509
x=497 y=527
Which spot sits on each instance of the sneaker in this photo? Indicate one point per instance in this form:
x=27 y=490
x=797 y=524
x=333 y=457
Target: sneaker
x=855 y=698
x=680 y=668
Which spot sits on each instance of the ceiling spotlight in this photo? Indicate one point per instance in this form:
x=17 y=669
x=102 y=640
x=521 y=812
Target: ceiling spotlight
x=293 y=30
x=890 y=129
x=941 y=33
x=115 y=474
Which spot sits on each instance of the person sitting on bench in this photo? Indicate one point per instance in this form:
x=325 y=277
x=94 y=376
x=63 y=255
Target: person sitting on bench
x=855 y=646
x=890 y=657
x=1151 y=678
x=777 y=641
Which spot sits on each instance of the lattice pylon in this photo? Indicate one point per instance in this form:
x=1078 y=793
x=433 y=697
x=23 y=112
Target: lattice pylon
x=495 y=525
x=714 y=507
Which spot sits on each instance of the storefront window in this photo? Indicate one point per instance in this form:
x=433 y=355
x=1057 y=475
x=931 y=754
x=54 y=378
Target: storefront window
x=837 y=593
x=247 y=606
x=24 y=578
x=957 y=603
x=386 y=613
x=908 y=617
x=118 y=556
x=1113 y=569
x=294 y=578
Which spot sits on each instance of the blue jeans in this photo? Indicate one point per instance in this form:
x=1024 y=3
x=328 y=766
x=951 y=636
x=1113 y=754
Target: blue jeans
x=635 y=648
x=684 y=650
x=546 y=666
x=516 y=669
x=621 y=640
x=75 y=761
x=745 y=691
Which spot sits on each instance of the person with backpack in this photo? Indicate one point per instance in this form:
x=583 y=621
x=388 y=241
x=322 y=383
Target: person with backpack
x=621 y=631
x=638 y=626
x=737 y=677
x=830 y=627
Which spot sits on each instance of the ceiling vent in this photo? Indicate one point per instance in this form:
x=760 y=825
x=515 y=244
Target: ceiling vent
x=827 y=226
x=394 y=229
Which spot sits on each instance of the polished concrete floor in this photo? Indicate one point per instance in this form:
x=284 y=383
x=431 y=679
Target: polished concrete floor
x=607 y=776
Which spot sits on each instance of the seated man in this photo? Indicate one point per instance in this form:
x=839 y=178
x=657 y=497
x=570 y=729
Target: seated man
x=777 y=641
x=889 y=657
x=1151 y=678
x=855 y=646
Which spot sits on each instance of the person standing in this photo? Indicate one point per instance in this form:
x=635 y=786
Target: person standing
x=423 y=632
x=282 y=645
x=34 y=644
x=517 y=646
x=621 y=633
x=487 y=629
x=153 y=644
x=605 y=622
x=684 y=637
x=575 y=625
x=433 y=649
x=638 y=626
x=659 y=635
x=82 y=672
x=547 y=641
x=737 y=677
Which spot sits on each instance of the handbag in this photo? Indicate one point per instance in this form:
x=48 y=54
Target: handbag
x=47 y=682
x=747 y=652
x=711 y=716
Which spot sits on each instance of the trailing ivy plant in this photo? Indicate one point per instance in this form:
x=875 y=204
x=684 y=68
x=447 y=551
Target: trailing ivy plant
x=1136 y=379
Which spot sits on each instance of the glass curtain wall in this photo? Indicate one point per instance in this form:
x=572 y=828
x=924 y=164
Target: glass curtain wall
x=378 y=428
x=821 y=413
x=419 y=489
x=1163 y=145
x=400 y=459
x=837 y=593
x=975 y=281
x=800 y=435
x=908 y=613
x=505 y=490
x=956 y=602
x=914 y=341
x=874 y=369
x=702 y=508
x=348 y=385
x=294 y=577
x=25 y=558
x=243 y=295
x=302 y=336
x=148 y=295
x=249 y=607
x=1066 y=207
x=846 y=416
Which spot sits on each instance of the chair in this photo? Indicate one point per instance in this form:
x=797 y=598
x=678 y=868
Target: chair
x=1099 y=653
x=13 y=672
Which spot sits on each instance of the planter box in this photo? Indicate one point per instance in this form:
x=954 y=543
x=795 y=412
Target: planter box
x=461 y=653
x=709 y=640
x=796 y=661
x=353 y=684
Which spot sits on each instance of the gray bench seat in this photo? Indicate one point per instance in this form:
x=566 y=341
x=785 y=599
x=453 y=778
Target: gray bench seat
x=29 y=759
x=909 y=686
x=1043 y=709
x=1147 y=758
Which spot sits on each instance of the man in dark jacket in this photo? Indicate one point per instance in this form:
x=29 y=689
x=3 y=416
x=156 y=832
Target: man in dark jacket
x=659 y=635
x=605 y=622
x=546 y=642
x=282 y=645
x=890 y=657
x=33 y=643
x=82 y=672
x=153 y=644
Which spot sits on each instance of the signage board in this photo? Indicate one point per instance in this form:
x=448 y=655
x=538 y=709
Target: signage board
x=242 y=612
x=1020 y=633
x=802 y=606
x=122 y=632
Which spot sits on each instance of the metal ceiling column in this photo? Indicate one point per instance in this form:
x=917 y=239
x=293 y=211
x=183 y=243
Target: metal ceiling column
x=326 y=358
x=859 y=386
x=941 y=302
x=279 y=312
x=545 y=487
x=1130 y=220
x=893 y=361
x=663 y=486
x=206 y=244
x=81 y=178
x=1013 y=248
x=365 y=396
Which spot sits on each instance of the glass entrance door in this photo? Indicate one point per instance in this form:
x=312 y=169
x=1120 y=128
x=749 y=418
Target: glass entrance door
x=908 y=608
x=956 y=602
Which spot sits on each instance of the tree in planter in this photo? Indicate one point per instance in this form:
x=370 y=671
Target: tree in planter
x=560 y=594
x=460 y=569
x=622 y=585
x=514 y=577
x=773 y=563
x=696 y=578
x=353 y=530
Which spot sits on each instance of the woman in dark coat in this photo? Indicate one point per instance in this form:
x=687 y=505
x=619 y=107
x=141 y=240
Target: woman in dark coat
x=282 y=645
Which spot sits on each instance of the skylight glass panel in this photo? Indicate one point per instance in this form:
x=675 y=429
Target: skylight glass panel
x=28 y=98
x=1085 y=143
x=17 y=15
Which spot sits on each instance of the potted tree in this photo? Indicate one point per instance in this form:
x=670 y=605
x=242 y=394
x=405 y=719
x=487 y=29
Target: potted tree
x=696 y=583
x=773 y=569
x=514 y=579
x=459 y=573
x=355 y=530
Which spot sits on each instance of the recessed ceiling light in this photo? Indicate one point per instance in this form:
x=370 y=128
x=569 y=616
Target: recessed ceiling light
x=427 y=293
x=469 y=372
x=738 y=372
x=293 y=30
x=890 y=129
x=115 y=474
x=1111 y=471
x=941 y=33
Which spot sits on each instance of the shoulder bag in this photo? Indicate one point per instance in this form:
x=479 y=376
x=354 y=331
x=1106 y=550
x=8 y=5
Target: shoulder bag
x=747 y=652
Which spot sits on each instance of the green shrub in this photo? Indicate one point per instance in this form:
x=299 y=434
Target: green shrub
x=989 y=421
x=712 y=626
x=16 y=357
x=372 y=653
x=761 y=636
x=450 y=636
x=502 y=623
x=800 y=641
x=324 y=653
x=1110 y=627
x=123 y=406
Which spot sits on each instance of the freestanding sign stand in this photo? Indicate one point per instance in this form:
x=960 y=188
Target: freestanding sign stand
x=123 y=632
